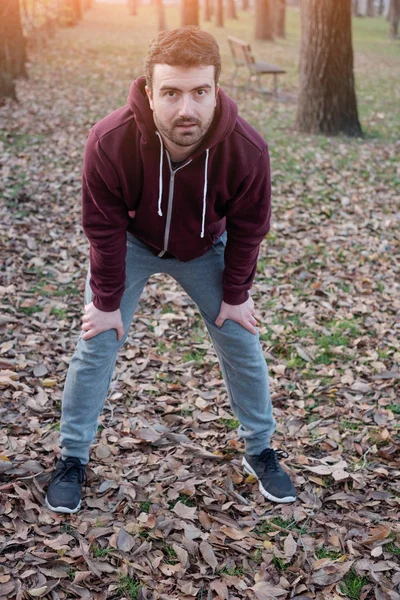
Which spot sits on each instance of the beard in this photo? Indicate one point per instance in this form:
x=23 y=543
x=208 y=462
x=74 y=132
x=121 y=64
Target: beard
x=182 y=137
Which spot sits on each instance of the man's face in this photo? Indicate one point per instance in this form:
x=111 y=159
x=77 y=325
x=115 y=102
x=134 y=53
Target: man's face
x=183 y=102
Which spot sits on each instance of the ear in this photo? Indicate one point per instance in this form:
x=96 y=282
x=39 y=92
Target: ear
x=149 y=96
x=216 y=93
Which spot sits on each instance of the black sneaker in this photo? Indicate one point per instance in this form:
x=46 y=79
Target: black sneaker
x=64 y=490
x=273 y=482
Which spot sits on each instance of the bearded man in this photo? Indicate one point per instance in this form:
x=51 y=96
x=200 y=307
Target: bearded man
x=174 y=182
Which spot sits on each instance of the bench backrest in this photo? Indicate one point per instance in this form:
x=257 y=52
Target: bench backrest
x=241 y=52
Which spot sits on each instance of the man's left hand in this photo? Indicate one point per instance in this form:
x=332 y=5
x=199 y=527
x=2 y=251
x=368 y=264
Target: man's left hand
x=240 y=313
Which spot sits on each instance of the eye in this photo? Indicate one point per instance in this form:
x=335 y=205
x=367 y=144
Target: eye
x=170 y=94
x=201 y=92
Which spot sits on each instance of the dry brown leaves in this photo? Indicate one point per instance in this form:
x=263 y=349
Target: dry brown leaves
x=168 y=510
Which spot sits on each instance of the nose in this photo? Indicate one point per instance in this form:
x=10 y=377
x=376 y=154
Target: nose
x=186 y=108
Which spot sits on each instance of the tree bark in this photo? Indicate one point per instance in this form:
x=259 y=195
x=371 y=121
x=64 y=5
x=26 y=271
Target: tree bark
x=219 y=21
x=162 y=22
x=231 y=10
x=73 y=12
x=381 y=7
x=356 y=11
x=370 y=8
x=207 y=10
x=394 y=18
x=327 y=100
x=264 y=20
x=280 y=18
x=12 y=48
x=132 y=5
x=190 y=12
x=245 y=4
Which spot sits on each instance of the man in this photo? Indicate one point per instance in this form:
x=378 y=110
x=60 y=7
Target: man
x=175 y=182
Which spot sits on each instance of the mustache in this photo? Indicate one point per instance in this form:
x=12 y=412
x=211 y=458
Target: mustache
x=179 y=122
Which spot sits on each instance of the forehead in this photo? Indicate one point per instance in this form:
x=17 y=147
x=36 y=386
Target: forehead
x=182 y=78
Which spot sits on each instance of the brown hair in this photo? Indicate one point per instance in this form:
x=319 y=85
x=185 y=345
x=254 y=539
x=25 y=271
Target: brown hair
x=184 y=47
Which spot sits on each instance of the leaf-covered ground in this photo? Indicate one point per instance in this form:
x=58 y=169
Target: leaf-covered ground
x=168 y=511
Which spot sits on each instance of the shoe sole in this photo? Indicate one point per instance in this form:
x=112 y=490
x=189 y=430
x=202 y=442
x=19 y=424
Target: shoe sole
x=62 y=509
x=264 y=492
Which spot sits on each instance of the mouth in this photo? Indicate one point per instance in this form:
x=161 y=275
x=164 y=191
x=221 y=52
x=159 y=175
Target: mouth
x=186 y=125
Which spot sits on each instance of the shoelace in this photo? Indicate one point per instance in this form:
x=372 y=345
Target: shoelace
x=272 y=457
x=71 y=472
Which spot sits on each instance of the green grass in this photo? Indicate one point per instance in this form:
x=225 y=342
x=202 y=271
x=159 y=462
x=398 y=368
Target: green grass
x=353 y=584
x=395 y=550
x=30 y=310
x=324 y=553
x=230 y=424
x=99 y=552
x=236 y=571
x=196 y=355
x=184 y=499
x=279 y=564
x=129 y=586
x=145 y=506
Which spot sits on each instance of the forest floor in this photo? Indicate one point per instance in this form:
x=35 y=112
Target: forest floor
x=168 y=512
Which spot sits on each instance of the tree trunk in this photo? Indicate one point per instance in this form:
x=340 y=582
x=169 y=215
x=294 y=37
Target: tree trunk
x=356 y=10
x=394 y=18
x=190 y=12
x=73 y=12
x=219 y=21
x=162 y=22
x=280 y=17
x=264 y=20
x=381 y=7
x=370 y=8
x=245 y=4
x=12 y=48
x=207 y=10
x=231 y=10
x=132 y=5
x=327 y=100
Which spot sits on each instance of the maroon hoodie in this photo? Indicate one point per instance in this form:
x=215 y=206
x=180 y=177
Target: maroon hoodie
x=224 y=185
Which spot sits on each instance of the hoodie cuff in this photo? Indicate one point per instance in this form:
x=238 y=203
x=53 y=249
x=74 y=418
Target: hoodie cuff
x=235 y=298
x=106 y=305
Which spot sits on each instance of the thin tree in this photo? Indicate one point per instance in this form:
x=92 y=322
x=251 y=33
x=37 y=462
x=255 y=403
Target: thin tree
x=162 y=22
x=219 y=18
x=245 y=5
x=207 y=10
x=73 y=12
x=280 y=18
x=190 y=12
x=132 y=5
x=394 y=18
x=231 y=10
x=370 y=8
x=12 y=48
x=327 y=100
x=263 y=20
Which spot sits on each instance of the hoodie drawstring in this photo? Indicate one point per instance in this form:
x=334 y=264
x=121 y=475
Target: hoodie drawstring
x=160 y=184
x=203 y=220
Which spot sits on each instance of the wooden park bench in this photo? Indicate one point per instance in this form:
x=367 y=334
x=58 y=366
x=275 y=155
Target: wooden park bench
x=243 y=57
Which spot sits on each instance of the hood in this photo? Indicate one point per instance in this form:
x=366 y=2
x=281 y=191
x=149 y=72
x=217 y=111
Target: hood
x=223 y=124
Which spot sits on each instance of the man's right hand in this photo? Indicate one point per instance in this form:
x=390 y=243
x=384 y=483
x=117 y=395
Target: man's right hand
x=94 y=321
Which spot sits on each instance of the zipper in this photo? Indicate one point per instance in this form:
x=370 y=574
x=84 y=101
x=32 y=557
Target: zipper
x=170 y=203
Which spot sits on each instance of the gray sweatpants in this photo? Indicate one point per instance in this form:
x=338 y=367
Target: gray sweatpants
x=239 y=352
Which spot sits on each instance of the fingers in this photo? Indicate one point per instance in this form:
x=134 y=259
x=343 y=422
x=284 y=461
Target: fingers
x=120 y=332
x=249 y=327
x=89 y=334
